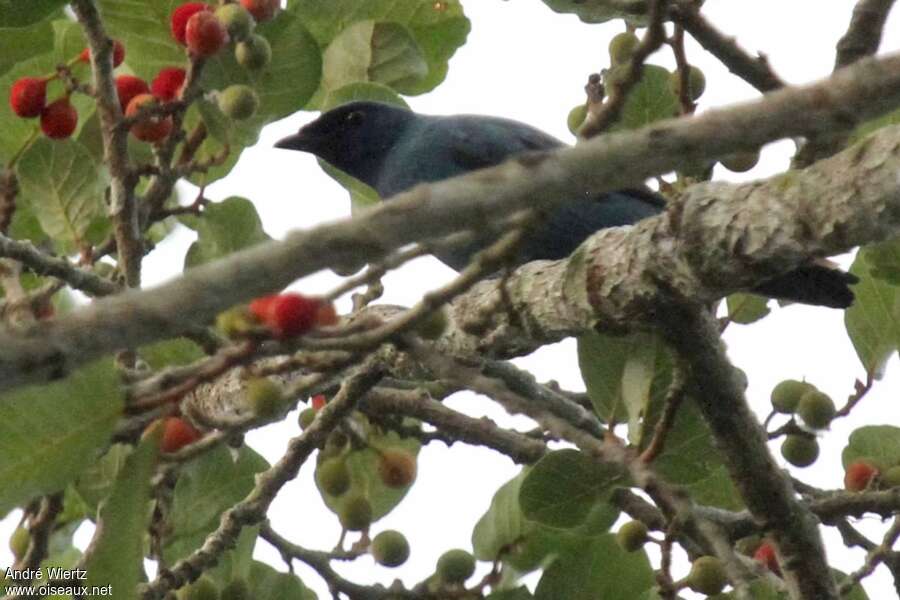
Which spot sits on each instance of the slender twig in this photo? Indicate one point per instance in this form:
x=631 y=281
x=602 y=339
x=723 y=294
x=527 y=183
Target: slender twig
x=601 y=116
x=42 y=263
x=863 y=35
x=252 y=509
x=674 y=397
x=754 y=70
x=875 y=556
x=122 y=205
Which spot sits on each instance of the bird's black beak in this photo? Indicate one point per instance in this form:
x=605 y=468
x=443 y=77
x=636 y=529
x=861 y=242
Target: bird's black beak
x=298 y=141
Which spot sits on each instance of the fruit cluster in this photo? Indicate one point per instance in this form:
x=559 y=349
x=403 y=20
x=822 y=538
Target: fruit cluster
x=283 y=316
x=815 y=409
x=195 y=25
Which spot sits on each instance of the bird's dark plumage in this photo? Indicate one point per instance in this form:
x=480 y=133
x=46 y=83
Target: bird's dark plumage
x=393 y=149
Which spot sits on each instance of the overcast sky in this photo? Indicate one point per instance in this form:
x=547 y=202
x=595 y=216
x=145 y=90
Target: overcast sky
x=525 y=62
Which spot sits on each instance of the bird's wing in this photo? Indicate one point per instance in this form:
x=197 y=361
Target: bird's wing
x=480 y=142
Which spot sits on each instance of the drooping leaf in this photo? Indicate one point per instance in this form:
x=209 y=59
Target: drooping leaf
x=117 y=551
x=170 y=353
x=600 y=569
x=224 y=227
x=747 y=308
x=207 y=486
x=563 y=487
x=879 y=444
x=600 y=11
x=438 y=28
x=873 y=322
x=649 y=100
x=96 y=482
x=50 y=433
x=266 y=582
x=374 y=51
x=63 y=184
x=16 y=13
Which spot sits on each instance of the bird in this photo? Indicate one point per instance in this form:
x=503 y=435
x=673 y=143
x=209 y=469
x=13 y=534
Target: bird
x=392 y=149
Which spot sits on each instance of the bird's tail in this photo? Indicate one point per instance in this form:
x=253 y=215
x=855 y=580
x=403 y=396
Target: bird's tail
x=815 y=284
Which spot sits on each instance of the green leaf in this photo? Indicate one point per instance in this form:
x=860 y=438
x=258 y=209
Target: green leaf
x=604 y=360
x=504 y=533
x=600 y=569
x=223 y=228
x=96 y=482
x=691 y=459
x=169 y=353
x=63 y=184
x=21 y=44
x=519 y=593
x=50 y=433
x=374 y=51
x=266 y=582
x=879 y=444
x=16 y=13
x=363 y=466
x=747 y=308
x=438 y=28
x=649 y=100
x=143 y=26
x=563 y=487
x=208 y=485
x=117 y=551
x=601 y=11
x=872 y=321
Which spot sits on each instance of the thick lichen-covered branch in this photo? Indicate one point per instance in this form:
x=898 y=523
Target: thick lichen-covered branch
x=704 y=247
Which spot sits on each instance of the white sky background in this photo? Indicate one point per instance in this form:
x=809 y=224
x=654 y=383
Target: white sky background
x=525 y=62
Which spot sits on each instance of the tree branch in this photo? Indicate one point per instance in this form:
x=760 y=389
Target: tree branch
x=863 y=35
x=702 y=248
x=754 y=70
x=765 y=489
x=43 y=264
x=122 y=206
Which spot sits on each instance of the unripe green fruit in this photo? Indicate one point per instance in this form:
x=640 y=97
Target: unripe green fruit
x=203 y=589
x=816 y=409
x=236 y=20
x=236 y=590
x=748 y=545
x=632 y=536
x=234 y=322
x=238 y=102
x=622 y=47
x=334 y=476
x=800 y=450
x=356 y=514
x=433 y=326
x=707 y=576
x=307 y=416
x=576 y=118
x=786 y=395
x=265 y=397
x=390 y=548
x=253 y=53
x=696 y=82
x=891 y=477
x=740 y=161
x=455 y=566
x=18 y=542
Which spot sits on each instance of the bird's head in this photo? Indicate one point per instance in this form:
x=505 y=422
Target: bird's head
x=354 y=137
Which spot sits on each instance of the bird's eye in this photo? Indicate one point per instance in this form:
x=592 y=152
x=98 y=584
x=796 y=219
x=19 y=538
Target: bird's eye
x=354 y=118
